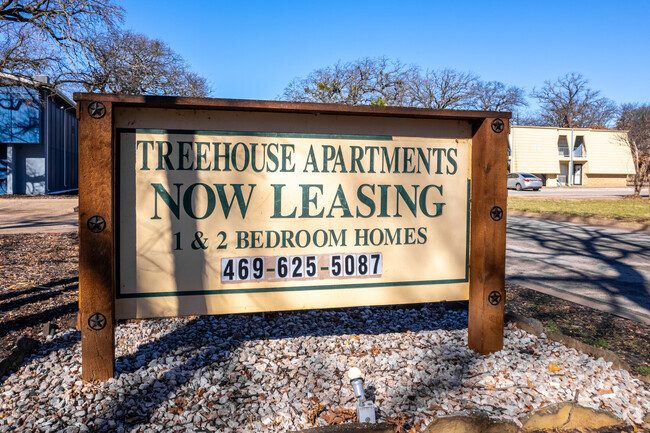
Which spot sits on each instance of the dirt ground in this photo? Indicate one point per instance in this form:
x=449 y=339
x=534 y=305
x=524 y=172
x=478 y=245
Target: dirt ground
x=38 y=284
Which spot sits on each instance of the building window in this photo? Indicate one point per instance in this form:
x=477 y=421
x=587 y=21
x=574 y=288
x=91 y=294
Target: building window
x=579 y=146
x=19 y=115
x=562 y=146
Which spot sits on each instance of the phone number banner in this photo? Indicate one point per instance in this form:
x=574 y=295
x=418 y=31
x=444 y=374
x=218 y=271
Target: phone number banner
x=214 y=222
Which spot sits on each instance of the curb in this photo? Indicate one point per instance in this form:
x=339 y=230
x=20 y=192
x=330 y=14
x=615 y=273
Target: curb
x=603 y=222
x=354 y=427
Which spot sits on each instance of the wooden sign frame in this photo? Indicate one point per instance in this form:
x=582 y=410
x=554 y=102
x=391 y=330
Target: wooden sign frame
x=98 y=204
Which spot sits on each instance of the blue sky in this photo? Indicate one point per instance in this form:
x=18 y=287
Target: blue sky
x=253 y=49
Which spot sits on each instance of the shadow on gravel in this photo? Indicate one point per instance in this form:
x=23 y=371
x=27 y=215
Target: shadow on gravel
x=588 y=256
x=37 y=318
x=64 y=341
x=255 y=327
x=36 y=289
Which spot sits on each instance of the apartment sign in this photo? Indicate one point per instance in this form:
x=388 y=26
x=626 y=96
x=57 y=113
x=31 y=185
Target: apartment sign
x=226 y=218
x=205 y=206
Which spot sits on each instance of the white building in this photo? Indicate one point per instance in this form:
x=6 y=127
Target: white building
x=571 y=156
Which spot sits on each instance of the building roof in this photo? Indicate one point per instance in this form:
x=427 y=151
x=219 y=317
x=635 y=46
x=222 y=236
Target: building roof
x=40 y=82
x=568 y=128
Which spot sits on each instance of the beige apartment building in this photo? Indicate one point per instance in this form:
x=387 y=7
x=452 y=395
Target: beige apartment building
x=570 y=156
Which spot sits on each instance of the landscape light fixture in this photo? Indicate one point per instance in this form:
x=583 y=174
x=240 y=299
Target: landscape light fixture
x=365 y=408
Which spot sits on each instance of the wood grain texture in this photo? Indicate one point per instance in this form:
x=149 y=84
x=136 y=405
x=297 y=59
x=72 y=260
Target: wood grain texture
x=487 y=237
x=96 y=250
x=283 y=107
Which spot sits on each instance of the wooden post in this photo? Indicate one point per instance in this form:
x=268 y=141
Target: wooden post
x=96 y=239
x=488 y=235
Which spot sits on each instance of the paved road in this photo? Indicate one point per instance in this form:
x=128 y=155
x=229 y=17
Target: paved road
x=603 y=268
x=577 y=192
x=38 y=215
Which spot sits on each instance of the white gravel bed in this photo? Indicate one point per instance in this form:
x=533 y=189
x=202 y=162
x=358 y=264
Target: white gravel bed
x=255 y=373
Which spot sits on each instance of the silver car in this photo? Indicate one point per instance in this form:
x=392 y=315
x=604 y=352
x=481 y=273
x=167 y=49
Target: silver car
x=521 y=181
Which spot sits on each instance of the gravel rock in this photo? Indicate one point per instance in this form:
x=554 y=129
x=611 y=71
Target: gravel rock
x=286 y=371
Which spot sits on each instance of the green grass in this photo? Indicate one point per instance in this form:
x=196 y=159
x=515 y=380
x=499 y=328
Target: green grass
x=598 y=343
x=624 y=209
x=552 y=326
x=644 y=370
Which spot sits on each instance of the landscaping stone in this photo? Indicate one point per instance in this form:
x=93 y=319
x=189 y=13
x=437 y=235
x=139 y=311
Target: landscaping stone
x=351 y=428
x=535 y=327
x=470 y=424
x=49 y=328
x=287 y=371
x=569 y=416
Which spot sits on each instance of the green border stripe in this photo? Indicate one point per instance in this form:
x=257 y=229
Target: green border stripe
x=256 y=134
x=469 y=203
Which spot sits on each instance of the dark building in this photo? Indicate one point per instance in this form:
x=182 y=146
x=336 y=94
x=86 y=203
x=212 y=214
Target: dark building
x=38 y=138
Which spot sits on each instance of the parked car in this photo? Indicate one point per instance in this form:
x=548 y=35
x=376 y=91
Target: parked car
x=521 y=181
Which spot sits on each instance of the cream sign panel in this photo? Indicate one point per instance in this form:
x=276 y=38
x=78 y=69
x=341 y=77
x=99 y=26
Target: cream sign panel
x=218 y=222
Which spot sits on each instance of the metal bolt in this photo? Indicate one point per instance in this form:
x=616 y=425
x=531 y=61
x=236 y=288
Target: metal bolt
x=496 y=213
x=96 y=224
x=97 y=321
x=96 y=109
x=497 y=126
x=494 y=297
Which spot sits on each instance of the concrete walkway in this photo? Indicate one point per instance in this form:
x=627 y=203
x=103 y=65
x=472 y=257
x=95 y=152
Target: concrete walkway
x=38 y=215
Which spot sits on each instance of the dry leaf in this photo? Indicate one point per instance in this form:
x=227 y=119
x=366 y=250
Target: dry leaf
x=553 y=368
x=339 y=416
x=398 y=422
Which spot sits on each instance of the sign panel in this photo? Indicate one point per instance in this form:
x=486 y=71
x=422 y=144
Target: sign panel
x=242 y=206
x=215 y=221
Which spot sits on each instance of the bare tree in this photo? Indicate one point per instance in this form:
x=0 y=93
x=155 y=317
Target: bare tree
x=131 y=63
x=636 y=120
x=568 y=102
x=51 y=36
x=376 y=81
x=495 y=96
x=78 y=45
x=442 y=89
x=327 y=85
x=379 y=81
